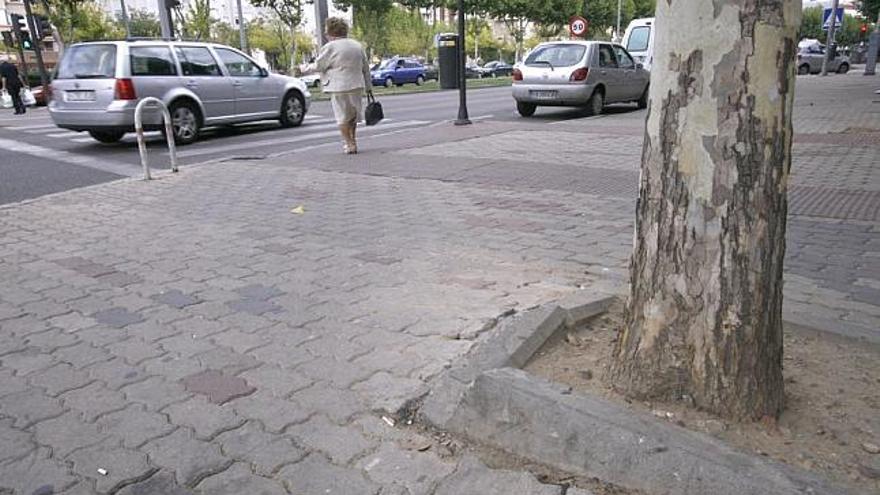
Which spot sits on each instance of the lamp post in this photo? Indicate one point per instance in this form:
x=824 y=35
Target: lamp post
x=125 y=19
x=829 y=42
x=242 y=37
x=463 y=118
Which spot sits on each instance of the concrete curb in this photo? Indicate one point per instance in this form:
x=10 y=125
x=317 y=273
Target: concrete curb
x=541 y=421
x=487 y=400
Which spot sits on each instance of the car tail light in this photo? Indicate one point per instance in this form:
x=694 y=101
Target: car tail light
x=579 y=75
x=125 y=90
x=517 y=75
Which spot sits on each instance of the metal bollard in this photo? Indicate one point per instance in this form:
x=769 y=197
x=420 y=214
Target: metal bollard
x=139 y=129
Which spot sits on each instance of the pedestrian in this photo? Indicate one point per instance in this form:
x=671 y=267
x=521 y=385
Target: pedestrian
x=11 y=82
x=345 y=74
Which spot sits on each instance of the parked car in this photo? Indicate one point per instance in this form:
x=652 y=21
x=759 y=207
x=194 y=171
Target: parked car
x=39 y=96
x=638 y=40
x=498 y=68
x=311 y=80
x=398 y=71
x=99 y=84
x=473 y=71
x=432 y=73
x=810 y=55
x=578 y=73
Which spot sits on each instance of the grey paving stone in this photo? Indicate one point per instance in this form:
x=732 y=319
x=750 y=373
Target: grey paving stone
x=16 y=443
x=116 y=373
x=135 y=426
x=315 y=476
x=122 y=466
x=275 y=413
x=51 y=340
x=340 y=443
x=265 y=452
x=341 y=374
x=117 y=317
x=277 y=381
x=385 y=392
x=24 y=325
x=472 y=477
x=173 y=368
x=259 y=292
x=199 y=327
x=155 y=393
x=340 y=406
x=161 y=483
x=419 y=472
x=94 y=400
x=192 y=460
x=35 y=474
x=238 y=480
x=10 y=384
x=226 y=361
x=205 y=418
x=254 y=307
x=186 y=346
x=176 y=299
x=29 y=407
x=27 y=361
x=135 y=351
x=101 y=335
x=66 y=434
x=59 y=378
x=218 y=387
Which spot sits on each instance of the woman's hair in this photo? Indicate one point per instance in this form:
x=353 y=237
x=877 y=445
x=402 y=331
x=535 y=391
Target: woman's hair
x=337 y=27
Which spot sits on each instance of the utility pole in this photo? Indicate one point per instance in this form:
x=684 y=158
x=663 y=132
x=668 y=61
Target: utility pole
x=36 y=35
x=165 y=19
x=463 y=118
x=125 y=19
x=321 y=13
x=873 y=48
x=829 y=42
x=617 y=33
x=242 y=36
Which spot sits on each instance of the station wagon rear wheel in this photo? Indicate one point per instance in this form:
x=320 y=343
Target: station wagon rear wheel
x=293 y=110
x=185 y=123
x=843 y=69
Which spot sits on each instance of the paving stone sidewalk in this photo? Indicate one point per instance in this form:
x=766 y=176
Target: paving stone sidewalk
x=201 y=333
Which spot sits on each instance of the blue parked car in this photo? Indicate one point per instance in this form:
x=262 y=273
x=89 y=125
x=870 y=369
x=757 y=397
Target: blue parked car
x=398 y=71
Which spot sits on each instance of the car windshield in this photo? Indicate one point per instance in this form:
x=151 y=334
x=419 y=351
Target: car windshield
x=388 y=64
x=638 y=39
x=556 y=55
x=88 y=62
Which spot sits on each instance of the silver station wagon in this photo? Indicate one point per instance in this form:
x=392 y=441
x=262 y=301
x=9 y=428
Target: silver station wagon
x=587 y=74
x=98 y=86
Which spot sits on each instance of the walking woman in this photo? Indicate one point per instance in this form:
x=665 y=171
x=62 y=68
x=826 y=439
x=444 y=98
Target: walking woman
x=345 y=74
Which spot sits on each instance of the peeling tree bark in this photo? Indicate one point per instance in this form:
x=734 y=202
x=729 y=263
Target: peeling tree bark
x=704 y=319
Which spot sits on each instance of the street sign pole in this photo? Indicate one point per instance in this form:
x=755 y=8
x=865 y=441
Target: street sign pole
x=873 y=48
x=829 y=41
x=125 y=19
x=617 y=33
x=165 y=20
x=242 y=36
x=321 y=13
x=463 y=118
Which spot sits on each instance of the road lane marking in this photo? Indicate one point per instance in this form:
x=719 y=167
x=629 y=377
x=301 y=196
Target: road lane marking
x=293 y=139
x=63 y=134
x=72 y=158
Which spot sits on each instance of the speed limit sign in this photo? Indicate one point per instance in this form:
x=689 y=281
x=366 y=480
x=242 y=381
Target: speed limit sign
x=577 y=26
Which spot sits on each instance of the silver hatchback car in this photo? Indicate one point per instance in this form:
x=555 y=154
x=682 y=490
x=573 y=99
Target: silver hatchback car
x=578 y=73
x=98 y=85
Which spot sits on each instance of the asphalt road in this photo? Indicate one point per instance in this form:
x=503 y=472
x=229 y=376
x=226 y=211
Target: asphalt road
x=37 y=158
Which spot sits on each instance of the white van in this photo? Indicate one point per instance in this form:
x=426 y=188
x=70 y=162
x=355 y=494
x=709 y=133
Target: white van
x=639 y=41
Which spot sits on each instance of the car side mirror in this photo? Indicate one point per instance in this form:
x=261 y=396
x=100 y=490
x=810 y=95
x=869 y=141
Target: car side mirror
x=264 y=72
x=640 y=66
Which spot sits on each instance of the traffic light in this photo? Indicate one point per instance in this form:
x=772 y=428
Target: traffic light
x=44 y=27
x=25 y=38
x=172 y=4
x=19 y=22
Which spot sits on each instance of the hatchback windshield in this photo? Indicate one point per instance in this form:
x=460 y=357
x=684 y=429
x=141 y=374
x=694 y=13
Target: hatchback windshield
x=638 y=39
x=88 y=62
x=556 y=55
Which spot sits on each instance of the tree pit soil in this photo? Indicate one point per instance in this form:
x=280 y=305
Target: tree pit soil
x=831 y=422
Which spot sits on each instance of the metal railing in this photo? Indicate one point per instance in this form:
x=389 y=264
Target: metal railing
x=139 y=129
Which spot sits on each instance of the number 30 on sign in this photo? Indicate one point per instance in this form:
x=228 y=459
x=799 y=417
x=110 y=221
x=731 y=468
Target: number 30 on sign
x=577 y=26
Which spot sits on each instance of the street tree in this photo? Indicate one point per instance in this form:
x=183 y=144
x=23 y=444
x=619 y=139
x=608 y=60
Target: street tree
x=290 y=14
x=369 y=19
x=704 y=316
x=143 y=23
x=197 y=22
x=870 y=9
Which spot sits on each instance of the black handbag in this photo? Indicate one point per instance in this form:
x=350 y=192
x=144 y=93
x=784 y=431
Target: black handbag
x=374 y=113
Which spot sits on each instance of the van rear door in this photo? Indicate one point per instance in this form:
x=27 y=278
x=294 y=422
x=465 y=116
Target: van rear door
x=639 y=41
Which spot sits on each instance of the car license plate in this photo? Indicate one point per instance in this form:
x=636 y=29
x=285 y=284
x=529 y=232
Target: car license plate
x=543 y=94
x=80 y=95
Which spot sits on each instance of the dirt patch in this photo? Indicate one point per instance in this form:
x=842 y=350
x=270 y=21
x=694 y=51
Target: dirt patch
x=831 y=422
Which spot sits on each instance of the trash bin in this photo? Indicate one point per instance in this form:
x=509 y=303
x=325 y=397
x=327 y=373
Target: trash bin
x=447 y=58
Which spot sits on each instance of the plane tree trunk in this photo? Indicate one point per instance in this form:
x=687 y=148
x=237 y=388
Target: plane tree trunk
x=704 y=317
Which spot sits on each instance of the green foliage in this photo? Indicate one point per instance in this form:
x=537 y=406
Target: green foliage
x=870 y=9
x=197 y=21
x=290 y=12
x=143 y=23
x=83 y=20
x=408 y=33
